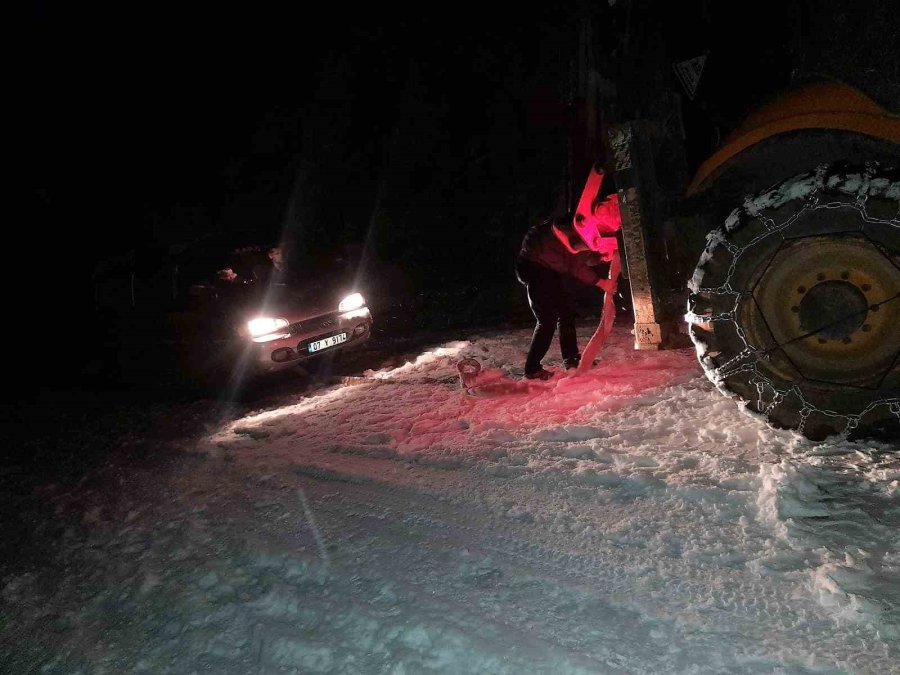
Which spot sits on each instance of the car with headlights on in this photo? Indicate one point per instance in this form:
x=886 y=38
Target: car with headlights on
x=206 y=314
x=250 y=319
x=292 y=325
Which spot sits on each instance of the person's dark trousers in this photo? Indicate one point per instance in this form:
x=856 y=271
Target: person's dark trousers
x=551 y=307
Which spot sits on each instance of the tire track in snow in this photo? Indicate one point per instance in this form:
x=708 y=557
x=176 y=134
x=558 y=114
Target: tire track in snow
x=753 y=607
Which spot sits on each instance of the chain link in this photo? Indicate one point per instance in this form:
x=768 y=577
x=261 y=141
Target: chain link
x=760 y=388
x=721 y=290
x=745 y=368
x=744 y=353
x=805 y=412
x=776 y=399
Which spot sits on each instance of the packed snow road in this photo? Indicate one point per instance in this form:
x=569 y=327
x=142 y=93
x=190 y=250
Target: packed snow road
x=631 y=520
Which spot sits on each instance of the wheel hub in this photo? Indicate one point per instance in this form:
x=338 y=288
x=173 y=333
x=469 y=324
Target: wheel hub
x=833 y=310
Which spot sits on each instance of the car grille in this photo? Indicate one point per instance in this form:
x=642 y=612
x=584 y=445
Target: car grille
x=318 y=323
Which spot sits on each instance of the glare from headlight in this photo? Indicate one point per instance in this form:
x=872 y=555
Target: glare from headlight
x=265 y=325
x=352 y=301
x=355 y=314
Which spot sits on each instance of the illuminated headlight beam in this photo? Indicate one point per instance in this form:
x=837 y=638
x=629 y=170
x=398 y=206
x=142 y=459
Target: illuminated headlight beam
x=264 y=329
x=351 y=302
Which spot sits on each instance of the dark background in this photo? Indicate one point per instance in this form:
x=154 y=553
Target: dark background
x=422 y=140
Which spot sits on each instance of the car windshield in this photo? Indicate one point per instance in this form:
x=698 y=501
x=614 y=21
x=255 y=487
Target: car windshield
x=256 y=269
x=209 y=275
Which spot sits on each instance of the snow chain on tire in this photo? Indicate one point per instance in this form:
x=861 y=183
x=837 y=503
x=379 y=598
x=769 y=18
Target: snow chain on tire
x=795 y=302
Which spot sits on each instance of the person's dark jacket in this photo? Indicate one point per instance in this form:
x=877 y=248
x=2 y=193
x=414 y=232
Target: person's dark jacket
x=541 y=246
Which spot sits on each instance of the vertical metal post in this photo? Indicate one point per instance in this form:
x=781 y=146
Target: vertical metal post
x=634 y=179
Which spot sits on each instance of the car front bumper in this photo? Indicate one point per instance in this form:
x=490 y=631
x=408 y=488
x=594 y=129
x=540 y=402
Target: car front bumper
x=284 y=352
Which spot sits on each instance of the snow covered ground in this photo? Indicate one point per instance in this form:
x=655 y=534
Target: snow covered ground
x=631 y=520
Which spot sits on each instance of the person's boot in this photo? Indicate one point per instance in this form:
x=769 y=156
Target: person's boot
x=539 y=374
x=572 y=363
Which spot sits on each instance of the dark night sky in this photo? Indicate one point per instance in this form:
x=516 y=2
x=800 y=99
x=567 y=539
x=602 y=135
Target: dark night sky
x=154 y=123
x=144 y=110
x=156 y=103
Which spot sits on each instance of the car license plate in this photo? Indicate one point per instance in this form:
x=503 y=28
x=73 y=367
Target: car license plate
x=325 y=343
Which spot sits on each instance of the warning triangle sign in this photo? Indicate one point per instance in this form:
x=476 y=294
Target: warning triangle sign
x=689 y=72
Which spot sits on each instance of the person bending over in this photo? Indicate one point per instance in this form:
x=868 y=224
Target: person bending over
x=552 y=251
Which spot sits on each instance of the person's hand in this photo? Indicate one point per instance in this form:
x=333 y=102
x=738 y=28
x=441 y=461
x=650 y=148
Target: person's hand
x=615 y=268
x=606 y=247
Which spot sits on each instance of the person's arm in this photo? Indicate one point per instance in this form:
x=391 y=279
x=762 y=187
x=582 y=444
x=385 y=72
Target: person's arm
x=583 y=267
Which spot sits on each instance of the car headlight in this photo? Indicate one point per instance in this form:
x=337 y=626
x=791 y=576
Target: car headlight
x=262 y=329
x=351 y=302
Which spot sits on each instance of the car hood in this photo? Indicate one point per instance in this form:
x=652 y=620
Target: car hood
x=294 y=303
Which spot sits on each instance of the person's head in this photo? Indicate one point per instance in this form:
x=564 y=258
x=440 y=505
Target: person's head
x=276 y=255
x=227 y=274
x=597 y=216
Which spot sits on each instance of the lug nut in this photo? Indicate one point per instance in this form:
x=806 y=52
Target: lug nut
x=846 y=340
x=845 y=275
x=866 y=328
x=866 y=287
x=801 y=289
x=820 y=276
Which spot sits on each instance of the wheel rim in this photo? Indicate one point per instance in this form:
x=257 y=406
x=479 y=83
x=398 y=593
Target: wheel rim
x=830 y=303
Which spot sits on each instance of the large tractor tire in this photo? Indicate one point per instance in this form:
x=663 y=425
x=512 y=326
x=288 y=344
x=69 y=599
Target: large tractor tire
x=795 y=303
